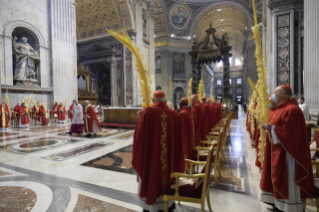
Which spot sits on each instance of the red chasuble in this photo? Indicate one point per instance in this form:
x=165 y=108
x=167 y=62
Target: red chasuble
x=220 y=111
x=41 y=115
x=7 y=116
x=197 y=115
x=70 y=112
x=291 y=131
x=24 y=115
x=265 y=182
x=218 y=117
x=207 y=114
x=16 y=109
x=157 y=150
x=213 y=117
x=186 y=123
x=54 y=108
x=89 y=117
x=61 y=113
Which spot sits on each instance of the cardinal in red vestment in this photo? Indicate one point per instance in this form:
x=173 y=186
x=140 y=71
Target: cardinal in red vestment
x=23 y=116
x=187 y=127
x=91 y=120
x=61 y=111
x=4 y=113
x=16 y=110
x=214 y=116
x=291 y=168
x=157 y=152
x=54 y=109
x=42 y=115
x=197 y=112
x=265 y=182
x=71 y=112
x=206 y=120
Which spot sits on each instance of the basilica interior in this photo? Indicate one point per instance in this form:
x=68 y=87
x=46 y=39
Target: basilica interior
x=61 y=50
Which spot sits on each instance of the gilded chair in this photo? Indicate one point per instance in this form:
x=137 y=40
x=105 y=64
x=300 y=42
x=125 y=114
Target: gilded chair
x=315 y=138
x=191 y=187
x=15 y=119
x=52 y=118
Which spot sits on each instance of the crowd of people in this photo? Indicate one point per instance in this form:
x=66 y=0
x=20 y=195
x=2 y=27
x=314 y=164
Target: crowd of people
x=164 y=139
x=82 y=119
x=286 y=171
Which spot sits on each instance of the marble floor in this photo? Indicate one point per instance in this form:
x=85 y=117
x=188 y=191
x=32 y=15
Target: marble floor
x=44 y=169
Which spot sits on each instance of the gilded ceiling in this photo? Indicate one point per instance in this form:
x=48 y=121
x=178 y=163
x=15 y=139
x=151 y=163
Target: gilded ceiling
x=159 y=19
x=93 y=16
x=225 y=19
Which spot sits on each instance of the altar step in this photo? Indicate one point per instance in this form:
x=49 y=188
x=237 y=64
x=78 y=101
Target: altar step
x=116 y=125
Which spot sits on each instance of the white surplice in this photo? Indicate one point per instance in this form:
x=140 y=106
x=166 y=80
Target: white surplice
x=305 y=110
x=78 y=114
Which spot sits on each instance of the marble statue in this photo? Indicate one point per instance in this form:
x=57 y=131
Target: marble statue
x=225 y=39
x=158 y=63
x=27 y=60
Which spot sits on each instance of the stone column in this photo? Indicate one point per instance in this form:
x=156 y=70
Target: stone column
x=226 y=77
x=113 y=82
x=311 y=52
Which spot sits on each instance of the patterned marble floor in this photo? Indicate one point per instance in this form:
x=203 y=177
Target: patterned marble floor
x=44 y=169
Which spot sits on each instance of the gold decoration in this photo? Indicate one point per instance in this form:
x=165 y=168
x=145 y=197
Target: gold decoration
x=201 y=86
x=190 y=90
x=7 y=100
x=163 y=149
x=169 y=91
x=46 y=109
x=3 y=116
x=28 y=103
x=65 y=102
x=161 y=43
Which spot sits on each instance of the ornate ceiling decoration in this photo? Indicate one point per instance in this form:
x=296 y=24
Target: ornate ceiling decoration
x=93 y=16
x=159 y=19
x=225 y=19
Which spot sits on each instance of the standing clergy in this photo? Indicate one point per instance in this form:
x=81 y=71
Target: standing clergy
x=157 y=152
x=291 y=167
x=206 y=118
x=91 y=121
x=16 y=110
x=54 y=109
x=77 y=121
x=23 y=116
x=198 y=116
x=186 y=123
x=4 y=116
x=71 y=111
x=304 y=108
x=42 y=115
x=61 y=113
x=213 y=111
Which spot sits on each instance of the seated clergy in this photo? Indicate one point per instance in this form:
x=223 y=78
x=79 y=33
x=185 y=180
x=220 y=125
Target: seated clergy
x=4 y=116
x=42 y=115
x=157 y=152
x=23 y=116
x=91 y=121
x=54 y=109
x=187 y=127
x=206 y=118
x=61 y=113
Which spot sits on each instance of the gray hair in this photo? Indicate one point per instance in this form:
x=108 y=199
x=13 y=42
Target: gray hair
x=159 y=99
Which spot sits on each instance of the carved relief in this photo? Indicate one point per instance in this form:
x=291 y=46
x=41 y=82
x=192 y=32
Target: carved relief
x=283 y=49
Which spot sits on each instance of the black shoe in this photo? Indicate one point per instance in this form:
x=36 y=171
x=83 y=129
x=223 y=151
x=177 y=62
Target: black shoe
x=87 y=135
x=69 y=133
x=277 y=210
x=79 y=133
x=94 y=134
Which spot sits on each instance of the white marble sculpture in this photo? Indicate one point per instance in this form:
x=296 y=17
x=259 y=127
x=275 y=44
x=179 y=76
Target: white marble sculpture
x=26 y=60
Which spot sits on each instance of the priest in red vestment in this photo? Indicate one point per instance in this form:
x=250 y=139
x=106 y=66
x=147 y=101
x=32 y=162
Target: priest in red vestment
x=71 y=112
x=23 y=116
x=213 y=111
x=157 y=152
x=4 y=116
x=265 y=182
x=42 y=115
x=197 y=112
x=186 y=123
x=16 y=110
x=206 y=120
x=54 y=109
x=91 y=121
x=291 y=168
x=61 y=113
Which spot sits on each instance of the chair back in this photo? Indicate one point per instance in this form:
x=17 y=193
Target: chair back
x=316 y=137
x=208 y=169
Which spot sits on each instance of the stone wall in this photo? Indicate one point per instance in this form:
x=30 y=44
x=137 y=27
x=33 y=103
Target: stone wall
x=53 y=24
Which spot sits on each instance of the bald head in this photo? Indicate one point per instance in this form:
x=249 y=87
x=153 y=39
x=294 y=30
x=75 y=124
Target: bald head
x=194 y=99
x=282 y=95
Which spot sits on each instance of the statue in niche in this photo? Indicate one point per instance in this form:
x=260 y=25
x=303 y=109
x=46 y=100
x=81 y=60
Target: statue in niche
x=27 y=60
x=225 y=39
x=158 y=62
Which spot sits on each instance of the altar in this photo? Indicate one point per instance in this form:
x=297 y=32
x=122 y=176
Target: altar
x=121 y=115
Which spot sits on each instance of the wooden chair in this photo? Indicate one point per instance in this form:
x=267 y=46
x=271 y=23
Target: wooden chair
x=198 y=187
x=15 y=119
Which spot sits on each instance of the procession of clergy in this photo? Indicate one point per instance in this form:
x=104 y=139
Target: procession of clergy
x=82 y=119
x=164 y=139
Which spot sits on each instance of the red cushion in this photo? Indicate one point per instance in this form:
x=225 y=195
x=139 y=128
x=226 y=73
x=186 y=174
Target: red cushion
x=202 y=158
x=186 y=191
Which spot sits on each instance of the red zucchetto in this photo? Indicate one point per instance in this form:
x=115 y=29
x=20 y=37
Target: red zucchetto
x=184 y=99
x=159 y=94
x=203 y=98
x=287 y=87
x=209 y=100
x=195 y=95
